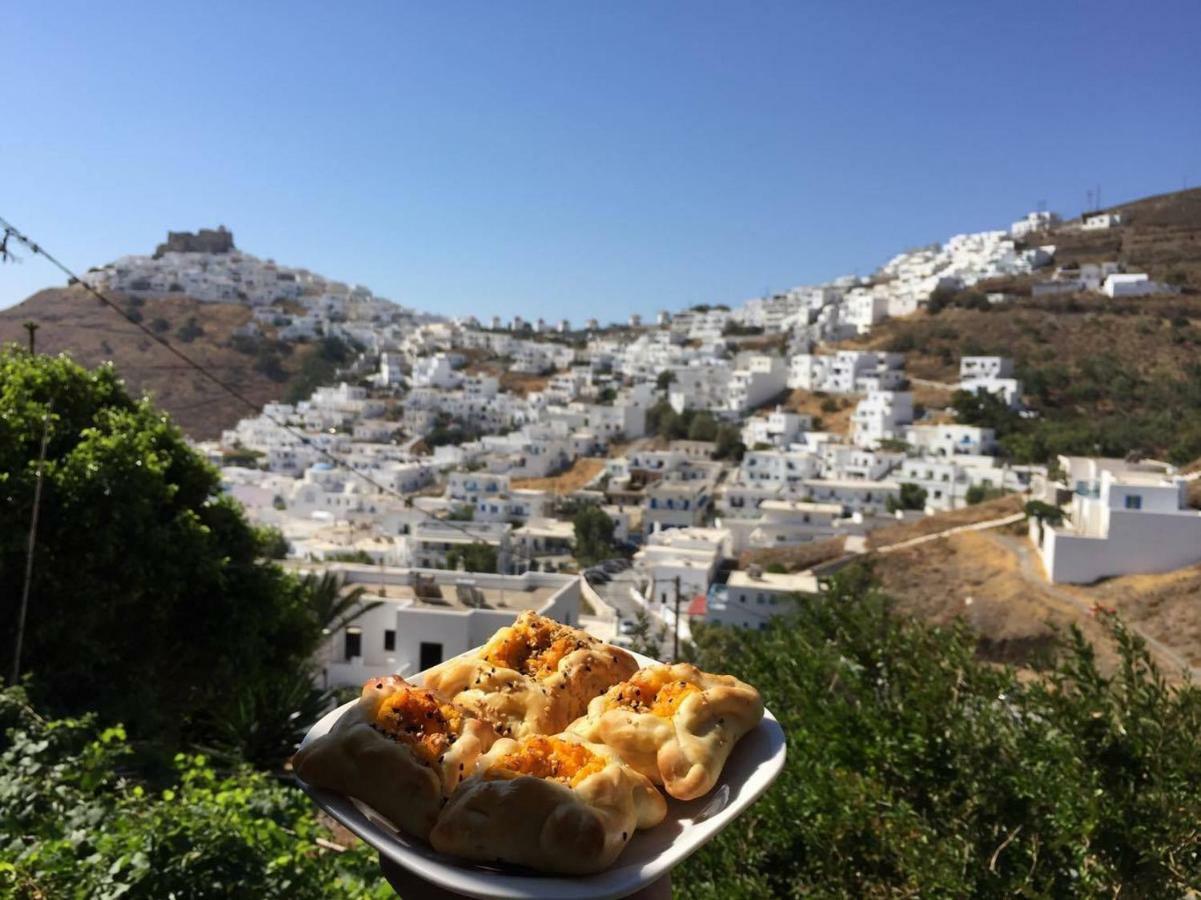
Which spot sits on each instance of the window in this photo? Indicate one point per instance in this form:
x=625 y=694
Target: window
x=354 y=643
x=431 y=654
x=389 y=639
x=1134 y=501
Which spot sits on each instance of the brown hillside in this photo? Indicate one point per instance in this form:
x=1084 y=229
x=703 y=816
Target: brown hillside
x=994 y=581
x=74 y=322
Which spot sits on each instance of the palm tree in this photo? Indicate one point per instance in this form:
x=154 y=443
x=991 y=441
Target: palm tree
x=333 y=609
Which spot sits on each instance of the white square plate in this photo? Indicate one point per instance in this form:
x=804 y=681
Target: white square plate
x=754 y=764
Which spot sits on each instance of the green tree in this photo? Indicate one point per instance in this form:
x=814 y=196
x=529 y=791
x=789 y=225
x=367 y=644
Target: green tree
x=915 y=769
x=330 y=604
x=593 y=535
x=666 y=378
x=985 y=409
x=912 y=496
x=646 y=638
x=273 y=543
x=703 y=427
x=728 y=443
x=475 y=557
x=464 y=512
x=151 y=602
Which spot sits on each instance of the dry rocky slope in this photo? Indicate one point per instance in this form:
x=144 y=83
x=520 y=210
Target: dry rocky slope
x=71 y=320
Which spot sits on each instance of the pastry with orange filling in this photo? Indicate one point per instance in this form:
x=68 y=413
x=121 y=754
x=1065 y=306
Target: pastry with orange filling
x=400 y=750
x=674 y=724
x=533 y=677
x=553 y=803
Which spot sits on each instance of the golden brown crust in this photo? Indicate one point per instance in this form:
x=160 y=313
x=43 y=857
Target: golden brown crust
x=548 y=824
x=686 y=745
x=533 y=677
x=391 y=775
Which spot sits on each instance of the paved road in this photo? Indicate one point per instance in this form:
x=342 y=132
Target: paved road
x=617 y=594
x=1030 y=568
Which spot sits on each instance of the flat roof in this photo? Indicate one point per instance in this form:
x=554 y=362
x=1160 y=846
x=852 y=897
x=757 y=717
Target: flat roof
x=799 y=582
x=803 y=506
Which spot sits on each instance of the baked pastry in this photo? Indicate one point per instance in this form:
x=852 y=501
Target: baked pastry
x=674 y=723
x=533 y=677
x=400 y=750
x=553 y=803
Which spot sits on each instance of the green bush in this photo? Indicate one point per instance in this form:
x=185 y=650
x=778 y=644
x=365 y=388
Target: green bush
x=73 y=823
x=979 y=493
x=914 y=769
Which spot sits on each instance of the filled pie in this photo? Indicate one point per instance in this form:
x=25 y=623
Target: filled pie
x=553 y=803
x=674 y=723
x=533 y=677
x=400 y=750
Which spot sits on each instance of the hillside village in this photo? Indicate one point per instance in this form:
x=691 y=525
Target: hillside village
x=735 y=452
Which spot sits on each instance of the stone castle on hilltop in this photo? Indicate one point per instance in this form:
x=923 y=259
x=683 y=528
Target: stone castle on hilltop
x=206 y=240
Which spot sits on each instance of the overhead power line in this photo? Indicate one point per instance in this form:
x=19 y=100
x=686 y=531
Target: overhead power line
x=11 y=231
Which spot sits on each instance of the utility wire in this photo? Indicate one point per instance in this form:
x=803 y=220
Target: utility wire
x=11 y=231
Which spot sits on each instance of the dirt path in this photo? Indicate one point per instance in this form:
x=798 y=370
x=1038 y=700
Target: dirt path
x=1031 y=570
x=957 y=529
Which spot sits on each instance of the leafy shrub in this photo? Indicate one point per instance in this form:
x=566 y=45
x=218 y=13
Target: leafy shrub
x=189 y=330
x=914 y=769
x=74 y=823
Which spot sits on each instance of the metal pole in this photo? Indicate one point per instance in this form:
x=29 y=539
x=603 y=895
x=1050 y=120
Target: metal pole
x=33 y=530
x=675 y=639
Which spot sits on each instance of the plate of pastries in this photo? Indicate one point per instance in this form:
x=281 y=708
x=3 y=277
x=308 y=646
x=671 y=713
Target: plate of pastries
x=544 y=763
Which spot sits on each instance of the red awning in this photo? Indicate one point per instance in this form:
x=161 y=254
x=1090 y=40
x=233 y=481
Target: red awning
x=697 y=606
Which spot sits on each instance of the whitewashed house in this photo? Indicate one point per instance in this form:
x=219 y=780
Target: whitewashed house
x=426 y=617
x=1124 y=518
x=990 y=375
x=1131 y=284
x=757 y=381
x=778 y=429
x=675 y=504
x=951 y=440
x=881 y=415
x=1101 y=221
x=751 y=598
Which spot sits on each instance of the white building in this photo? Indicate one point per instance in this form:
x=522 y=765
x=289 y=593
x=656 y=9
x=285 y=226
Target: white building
x=1101 y=221
x=675 y=504
x=426 y=617
x=990 y=375
x=847 y=371
x=690 y=554
x=757 y=381
x=435 y=371
x=778 y=429
x=881 y=415
x=951 y=440
x=1124 y=518
x=1033 y=222
x=1130 y=284
x=750 y=599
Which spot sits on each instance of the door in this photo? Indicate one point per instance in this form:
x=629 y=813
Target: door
x=431 y=655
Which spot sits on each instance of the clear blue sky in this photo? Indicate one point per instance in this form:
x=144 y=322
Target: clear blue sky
x=580 y=159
